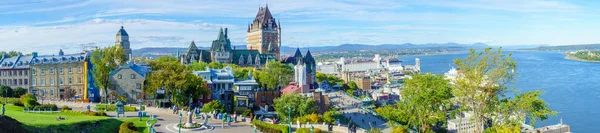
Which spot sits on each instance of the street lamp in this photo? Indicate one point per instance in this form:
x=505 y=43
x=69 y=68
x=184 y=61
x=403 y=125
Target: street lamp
x=106 y=87
x=179 y=125
x=290 y=118
x=140 y=112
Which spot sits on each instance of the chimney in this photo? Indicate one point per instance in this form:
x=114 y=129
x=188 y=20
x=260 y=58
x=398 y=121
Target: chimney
x=225 y=32
x=61 y=53
x=233 y=47
x=34 y=54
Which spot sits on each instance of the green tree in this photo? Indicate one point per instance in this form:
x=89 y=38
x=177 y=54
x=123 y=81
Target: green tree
x=320 y=77
x=329 y=116
x=170 y=74
x=198 y=66
x=274 y=74
x=216 y=65
x=19 y=91
x=6 y=91
x=300 y=106
x=11 y=53
x=104 y=61
x=352 y=85
x=481 y=87
x=212 y=106
x=29 y=100
x=423 y=97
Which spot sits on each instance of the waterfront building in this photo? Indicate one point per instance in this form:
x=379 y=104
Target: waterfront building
x=221 y=51
x=52 y=75
x=128 y=81
x=263 y=34
x=14 y=71
x=122 y=40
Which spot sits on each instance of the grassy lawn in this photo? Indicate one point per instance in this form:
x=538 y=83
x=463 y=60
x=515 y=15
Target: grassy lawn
x=74 y=122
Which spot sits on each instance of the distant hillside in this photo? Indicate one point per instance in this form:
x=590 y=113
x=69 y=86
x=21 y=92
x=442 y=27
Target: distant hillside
x=358 y=47
x=159 y=51
x=566 y=47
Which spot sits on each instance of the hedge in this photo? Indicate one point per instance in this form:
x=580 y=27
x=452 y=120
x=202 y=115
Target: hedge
x=307 y=130
x=52 y=107
x=270 y=128
x=114 y=107
x=90 y=113
x=127 y=127
x=65 y=107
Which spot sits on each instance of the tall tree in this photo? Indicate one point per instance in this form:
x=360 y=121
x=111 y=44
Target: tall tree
x=19 y=91
x=481 y=86
x=423 y=98
x=274 y=74
x=300 y=106
x=6 y=91
x=216 y=65
x=104 y=61
x=177 y=80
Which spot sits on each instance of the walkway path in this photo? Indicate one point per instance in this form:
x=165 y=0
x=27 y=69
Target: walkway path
x=166 y=121
x=352 y=112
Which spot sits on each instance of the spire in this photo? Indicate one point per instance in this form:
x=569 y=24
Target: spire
x=220 y=34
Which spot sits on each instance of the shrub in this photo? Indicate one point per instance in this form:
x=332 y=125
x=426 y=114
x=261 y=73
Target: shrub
x=65 y=107
x=18 y=103
x=329 y=116
x=314 y=118
x=127 y=127
x=269 y=128
x=112 y=107
x=52 y=107
x=307 y=130
x=90 y=113
x=29 y=100
x=246 y=112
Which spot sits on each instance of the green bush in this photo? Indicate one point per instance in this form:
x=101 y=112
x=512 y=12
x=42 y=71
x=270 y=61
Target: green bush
x=269 y=128
x=52 y=107
x=113 y=107
x=90 y=113
x=307 y=130
x=65 y=107
x=18 y=103
x=246 y=112
x=29 y=100
x=127 y=127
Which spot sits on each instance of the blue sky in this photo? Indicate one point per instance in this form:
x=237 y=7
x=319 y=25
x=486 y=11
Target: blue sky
x=48 y=25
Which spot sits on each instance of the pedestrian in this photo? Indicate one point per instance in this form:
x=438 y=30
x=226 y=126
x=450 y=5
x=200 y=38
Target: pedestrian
x=3 y=109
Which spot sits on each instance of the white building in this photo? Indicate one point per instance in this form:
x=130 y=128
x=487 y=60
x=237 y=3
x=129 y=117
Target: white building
x=462 y=124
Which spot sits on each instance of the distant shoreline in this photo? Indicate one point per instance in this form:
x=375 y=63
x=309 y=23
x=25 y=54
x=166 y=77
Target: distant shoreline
x=569 y=57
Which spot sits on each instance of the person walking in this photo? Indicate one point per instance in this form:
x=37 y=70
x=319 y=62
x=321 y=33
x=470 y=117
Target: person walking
x=3 y=109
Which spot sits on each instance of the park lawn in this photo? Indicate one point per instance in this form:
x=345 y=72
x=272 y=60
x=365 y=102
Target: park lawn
x=17 y=113
x=74 y=122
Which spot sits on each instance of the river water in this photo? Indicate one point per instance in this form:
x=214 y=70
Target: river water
x=571 y=88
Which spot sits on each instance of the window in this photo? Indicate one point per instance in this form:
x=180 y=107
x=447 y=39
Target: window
x=51 y=81
x=138 y=86
x=132 y=76
x=25 y=71
x=43 y=71
x=20 y=73
x=61 y=81
x=119 y=76
x=51 y=70
x=79 y=80
x=33 y=82
x=70 y=80
x=43 y=81
x=9 y=73
x=33 y=71
x=60 y=70
x=79 y=69
x=20 y=82
x=52 y=92
x=70 y=70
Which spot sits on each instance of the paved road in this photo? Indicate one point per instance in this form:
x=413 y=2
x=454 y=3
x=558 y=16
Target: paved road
x=166 y=121
x=352 y=112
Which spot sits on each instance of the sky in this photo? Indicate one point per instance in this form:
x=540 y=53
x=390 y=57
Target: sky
x=45 y=26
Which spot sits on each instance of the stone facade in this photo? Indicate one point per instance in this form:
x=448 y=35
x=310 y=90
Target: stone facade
x=128 y=81
x=51 y=75
x=264 y=34
x=305 y=71
x=14 y=71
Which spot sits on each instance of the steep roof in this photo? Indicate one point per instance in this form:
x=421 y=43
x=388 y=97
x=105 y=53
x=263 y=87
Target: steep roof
x=263 y=15
x=141 y=70
x=222 y=43
x=13 y=62
x=57 y=59
x=308 y=57
x=122 y=32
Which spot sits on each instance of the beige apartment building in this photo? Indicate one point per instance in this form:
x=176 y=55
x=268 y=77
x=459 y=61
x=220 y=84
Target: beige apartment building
x=52 y=75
